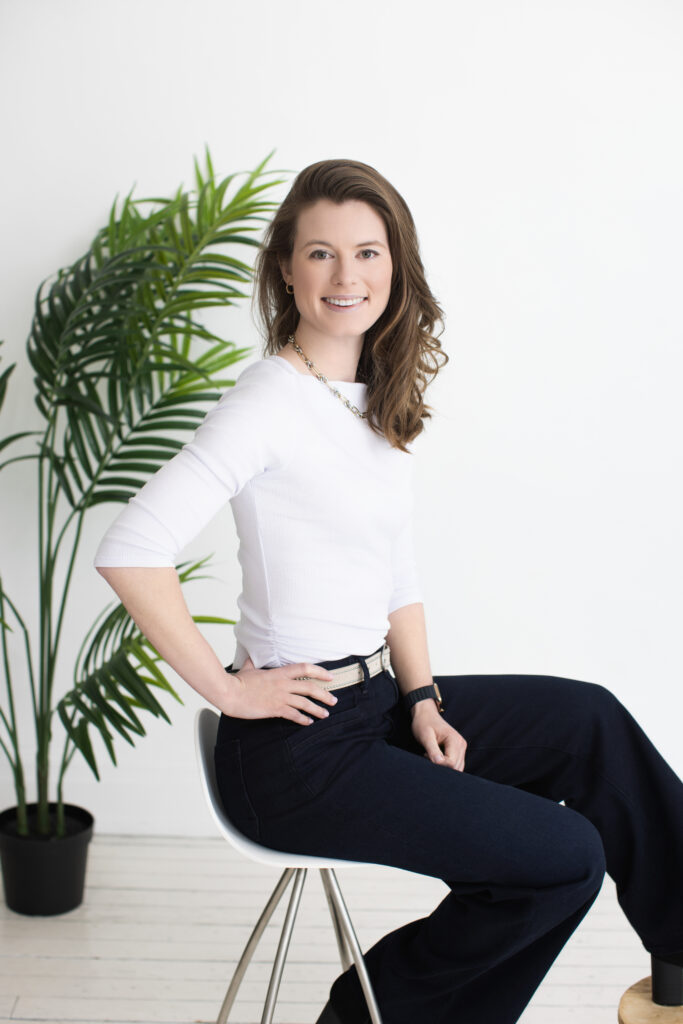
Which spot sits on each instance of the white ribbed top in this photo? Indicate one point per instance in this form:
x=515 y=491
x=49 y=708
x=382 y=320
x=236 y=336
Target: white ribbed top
x=322 y=506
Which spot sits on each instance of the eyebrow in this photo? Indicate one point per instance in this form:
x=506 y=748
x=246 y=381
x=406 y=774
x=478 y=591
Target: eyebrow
x=359 y=245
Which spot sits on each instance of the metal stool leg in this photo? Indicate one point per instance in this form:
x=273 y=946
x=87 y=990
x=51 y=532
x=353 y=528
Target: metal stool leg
x=251 y=945
x=347 y=926
x=344 y=952
x=283 y=945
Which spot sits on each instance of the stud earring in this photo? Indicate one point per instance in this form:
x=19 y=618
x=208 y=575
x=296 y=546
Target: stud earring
x=289 y=289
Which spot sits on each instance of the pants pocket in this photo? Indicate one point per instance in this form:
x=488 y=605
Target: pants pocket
x=233 y=791
x=320 y=730
x=397 y=692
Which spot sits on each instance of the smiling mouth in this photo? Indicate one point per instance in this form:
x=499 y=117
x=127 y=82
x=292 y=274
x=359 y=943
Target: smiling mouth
x=344 y=302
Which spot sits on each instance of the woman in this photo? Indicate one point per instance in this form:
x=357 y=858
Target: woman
x=321 y=749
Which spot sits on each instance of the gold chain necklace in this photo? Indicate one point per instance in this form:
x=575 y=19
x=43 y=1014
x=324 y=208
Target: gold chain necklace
x=321 y=377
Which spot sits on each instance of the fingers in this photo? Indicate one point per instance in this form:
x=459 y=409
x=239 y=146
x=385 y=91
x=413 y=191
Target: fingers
x=307 y=671
x=301 y=718
x=290 y=691
x=306 y=708
x=454 y=756
x=304 y=676
x=457 y=764
x=455 y=750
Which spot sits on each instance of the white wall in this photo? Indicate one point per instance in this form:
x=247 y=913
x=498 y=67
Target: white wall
x=537 y=144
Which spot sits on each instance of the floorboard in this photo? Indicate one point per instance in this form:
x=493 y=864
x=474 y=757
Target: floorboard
x=165 y=919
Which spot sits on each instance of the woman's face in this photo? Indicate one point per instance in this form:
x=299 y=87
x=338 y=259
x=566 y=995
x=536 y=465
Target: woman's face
x=340 y=269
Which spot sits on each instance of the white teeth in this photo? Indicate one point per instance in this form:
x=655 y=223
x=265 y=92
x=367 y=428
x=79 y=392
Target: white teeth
x=344 y=302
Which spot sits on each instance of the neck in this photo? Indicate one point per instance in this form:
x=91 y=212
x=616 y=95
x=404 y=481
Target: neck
x=336 y=358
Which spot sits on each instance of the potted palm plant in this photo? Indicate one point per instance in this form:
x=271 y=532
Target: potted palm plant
x=124 y=368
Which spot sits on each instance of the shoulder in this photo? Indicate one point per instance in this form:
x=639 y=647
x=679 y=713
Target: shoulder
x=269 y=368
x=256 y=412
x=260 y=408
x=271 y=373
x=264 y=384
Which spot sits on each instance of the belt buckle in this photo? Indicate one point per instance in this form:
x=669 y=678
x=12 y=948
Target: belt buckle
x=386 y=657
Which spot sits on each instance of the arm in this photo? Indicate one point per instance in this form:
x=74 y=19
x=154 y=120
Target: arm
x=407 y=639
x=236 y=441
x=154 y=599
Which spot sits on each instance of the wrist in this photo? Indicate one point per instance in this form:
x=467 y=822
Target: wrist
x=420 y=696
x=231 y=690
x=424 y=708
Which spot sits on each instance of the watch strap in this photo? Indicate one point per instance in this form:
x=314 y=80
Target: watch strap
x=423 y=693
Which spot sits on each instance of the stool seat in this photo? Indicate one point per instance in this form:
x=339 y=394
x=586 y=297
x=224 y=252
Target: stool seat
x=636 y=1007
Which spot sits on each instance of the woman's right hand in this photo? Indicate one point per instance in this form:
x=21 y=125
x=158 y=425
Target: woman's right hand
x=278 y=693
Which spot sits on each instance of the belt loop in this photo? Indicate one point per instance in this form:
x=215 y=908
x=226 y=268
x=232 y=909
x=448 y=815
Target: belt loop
x=366 y=676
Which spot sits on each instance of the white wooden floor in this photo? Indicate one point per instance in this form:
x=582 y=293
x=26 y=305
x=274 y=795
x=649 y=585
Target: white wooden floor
x=164 y=921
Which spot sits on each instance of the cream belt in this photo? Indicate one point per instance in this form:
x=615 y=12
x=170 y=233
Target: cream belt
x=347 y=675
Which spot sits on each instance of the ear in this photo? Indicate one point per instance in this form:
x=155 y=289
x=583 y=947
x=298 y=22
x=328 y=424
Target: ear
x=286 y=270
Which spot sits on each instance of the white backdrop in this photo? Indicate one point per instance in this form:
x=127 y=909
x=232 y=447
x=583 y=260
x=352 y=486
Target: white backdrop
x=538 y=146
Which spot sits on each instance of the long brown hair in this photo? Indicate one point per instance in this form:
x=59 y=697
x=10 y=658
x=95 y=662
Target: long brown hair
x=401 y=351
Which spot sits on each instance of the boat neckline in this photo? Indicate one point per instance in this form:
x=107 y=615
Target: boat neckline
x=310 y=376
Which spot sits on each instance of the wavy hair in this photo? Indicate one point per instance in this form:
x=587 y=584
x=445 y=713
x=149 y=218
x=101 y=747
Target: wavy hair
x=401 y=351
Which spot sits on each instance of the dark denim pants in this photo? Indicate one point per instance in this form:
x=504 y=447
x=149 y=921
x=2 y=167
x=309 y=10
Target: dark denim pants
x=522 y=867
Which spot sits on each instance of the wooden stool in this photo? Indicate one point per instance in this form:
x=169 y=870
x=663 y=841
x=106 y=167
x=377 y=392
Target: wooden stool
x=636 y=1007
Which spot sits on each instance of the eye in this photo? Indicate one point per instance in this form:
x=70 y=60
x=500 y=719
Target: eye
x=319 y=254
x=368 y=254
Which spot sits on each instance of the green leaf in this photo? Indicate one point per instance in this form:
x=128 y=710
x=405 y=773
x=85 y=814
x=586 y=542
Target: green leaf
x=99 y=694
x=100 y=497
x=132 y=682
x=15 y=437
x=189 y=423
x=4 y=380
x=216 y=619
x=121 y=481
x=81 y=741
x=124 y=367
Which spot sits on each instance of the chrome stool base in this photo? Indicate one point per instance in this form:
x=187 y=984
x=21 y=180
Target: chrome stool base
x=347 y=942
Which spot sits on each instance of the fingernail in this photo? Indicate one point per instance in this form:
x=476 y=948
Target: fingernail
x=335 y=699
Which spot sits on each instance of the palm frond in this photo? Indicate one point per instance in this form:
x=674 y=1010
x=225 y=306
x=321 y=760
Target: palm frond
x=116 y=340
x=118 y=674
x=5 y=442
x=124 y=367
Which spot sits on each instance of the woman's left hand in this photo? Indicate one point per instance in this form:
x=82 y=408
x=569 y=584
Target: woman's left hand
x=433 y=732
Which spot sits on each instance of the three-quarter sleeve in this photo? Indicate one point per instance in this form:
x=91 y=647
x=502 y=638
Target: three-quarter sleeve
x=243 y=435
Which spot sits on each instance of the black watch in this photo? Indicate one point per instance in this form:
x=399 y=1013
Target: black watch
x=422 y=693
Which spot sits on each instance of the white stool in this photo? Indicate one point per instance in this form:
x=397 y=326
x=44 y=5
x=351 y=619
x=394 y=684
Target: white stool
x=295 y=866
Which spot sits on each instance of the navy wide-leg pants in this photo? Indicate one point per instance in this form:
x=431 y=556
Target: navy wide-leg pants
x=560 y=782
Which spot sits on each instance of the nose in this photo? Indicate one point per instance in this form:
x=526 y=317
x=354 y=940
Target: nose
x=344 y=271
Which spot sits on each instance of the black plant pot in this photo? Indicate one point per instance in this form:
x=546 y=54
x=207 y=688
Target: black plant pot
x=45 y=876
